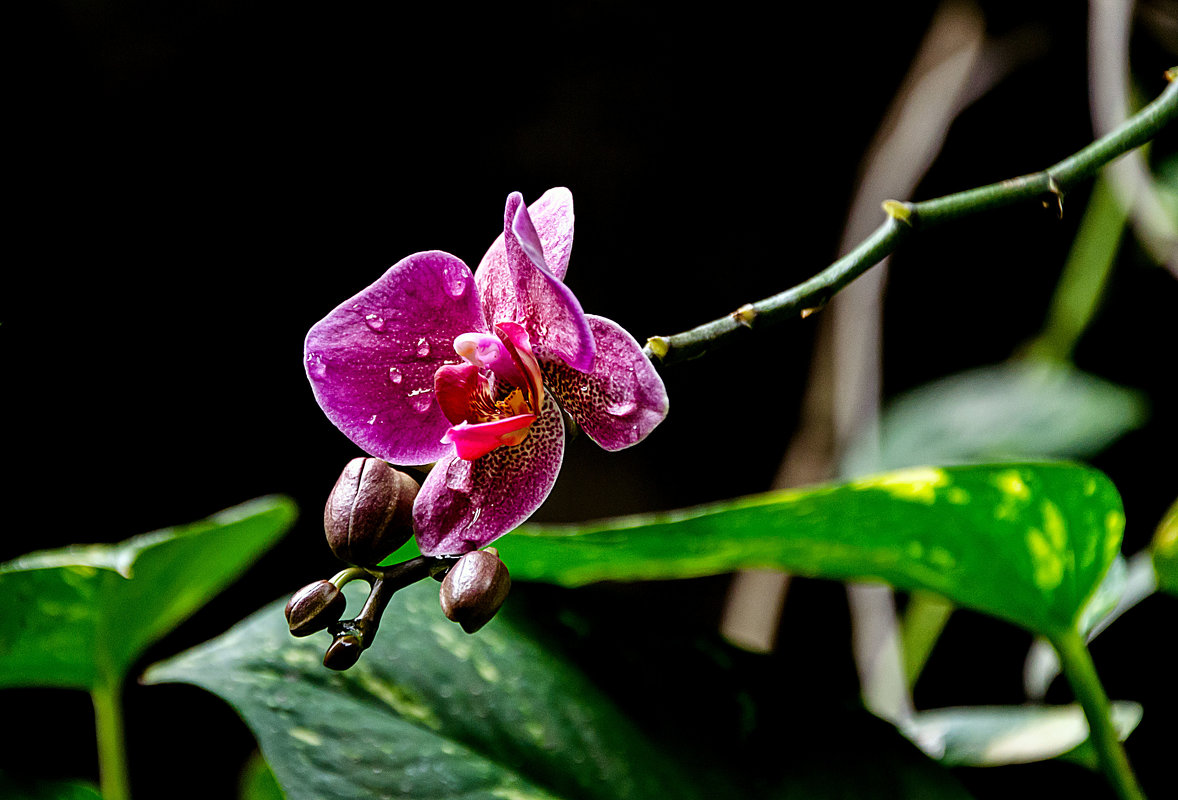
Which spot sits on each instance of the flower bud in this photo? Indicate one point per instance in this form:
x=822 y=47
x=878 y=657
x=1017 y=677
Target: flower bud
x=344 y=652
x=314 y=607
x=369 y=512
x=475 y=588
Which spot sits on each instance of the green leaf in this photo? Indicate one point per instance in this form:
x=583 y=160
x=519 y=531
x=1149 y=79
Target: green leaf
x=991 y=736
x=81 y=615
x=258 y=781
x=1019 y=409
x=1025 y=542
x=428 y=712
x=1165 y=551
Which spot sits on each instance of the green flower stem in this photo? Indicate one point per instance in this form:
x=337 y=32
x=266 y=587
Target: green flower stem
x=1077 y=665
x=112 y=749
x=905 y=218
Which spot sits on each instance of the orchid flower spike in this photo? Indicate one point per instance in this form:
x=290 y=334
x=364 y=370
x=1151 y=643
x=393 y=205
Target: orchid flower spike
x=431 y=364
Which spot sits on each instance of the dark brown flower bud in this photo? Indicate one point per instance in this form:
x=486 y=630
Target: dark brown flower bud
x=369 y=513
x=475 y=588
x=344 y=652
x=314 y=607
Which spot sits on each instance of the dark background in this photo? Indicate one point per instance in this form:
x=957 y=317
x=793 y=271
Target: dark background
x=197 y=183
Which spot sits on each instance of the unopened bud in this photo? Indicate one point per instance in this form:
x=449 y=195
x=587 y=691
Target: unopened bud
x=344 y=652
x=369 y=513
x=314 y=607
x=475 y=588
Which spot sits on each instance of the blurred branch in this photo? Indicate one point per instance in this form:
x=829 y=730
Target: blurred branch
x=906 y=218
x=1108 y=81
x=954 y=66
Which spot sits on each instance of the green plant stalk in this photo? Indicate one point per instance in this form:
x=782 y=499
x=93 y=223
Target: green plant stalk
x=905 y=218
x=1077 y=665
x=1085 y=274
x=924 y=619
x=112 y=750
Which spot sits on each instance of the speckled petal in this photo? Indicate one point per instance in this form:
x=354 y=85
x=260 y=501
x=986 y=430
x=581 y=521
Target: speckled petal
x=516 y=287
x=371 y=361
x=621 y=400
x=465 y=505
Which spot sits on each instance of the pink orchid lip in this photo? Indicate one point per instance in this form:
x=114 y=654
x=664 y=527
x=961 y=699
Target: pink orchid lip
x=473 y=441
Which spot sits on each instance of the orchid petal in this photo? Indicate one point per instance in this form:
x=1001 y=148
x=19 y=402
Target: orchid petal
x=621 y=400
x=523 y=288
x=464 y=505
x=372 y=360
x=529 y=240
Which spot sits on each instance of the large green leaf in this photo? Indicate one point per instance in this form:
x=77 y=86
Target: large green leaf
x=1025 y=542
x=428 y=712
x=80 y=615
x=1019 y=409
x=1165 y=551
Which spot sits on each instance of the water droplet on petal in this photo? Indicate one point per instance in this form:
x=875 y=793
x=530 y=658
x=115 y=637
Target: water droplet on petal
x=621 y=408
x=454 y=278
x=422 y=347
x=395 y=375
x=316 y=366
x=420 y=400
x=375 y=322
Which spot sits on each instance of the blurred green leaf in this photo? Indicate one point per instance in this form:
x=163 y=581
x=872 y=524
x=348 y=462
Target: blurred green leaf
x=992 y=736
x=258 y=781
x=80 y=615
x=13 y=789
x=1019 y=409
x=1025 y=542
x=1165 y=551
x=428 y=712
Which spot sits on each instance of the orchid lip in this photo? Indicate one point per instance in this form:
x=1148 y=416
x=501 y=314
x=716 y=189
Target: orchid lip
x=474 y=440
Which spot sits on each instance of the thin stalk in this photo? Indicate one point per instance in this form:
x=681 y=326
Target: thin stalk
x=1081 y=674
x=924 y=619
x=906 y=218
x=1085 y=274
x=112 y=747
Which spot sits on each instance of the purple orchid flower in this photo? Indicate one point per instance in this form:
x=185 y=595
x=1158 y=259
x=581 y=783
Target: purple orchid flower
x=423 y=367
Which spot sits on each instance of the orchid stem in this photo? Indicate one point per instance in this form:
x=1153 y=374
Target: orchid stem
x=112 y=750
x=1077 y=665
x=906 y=218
